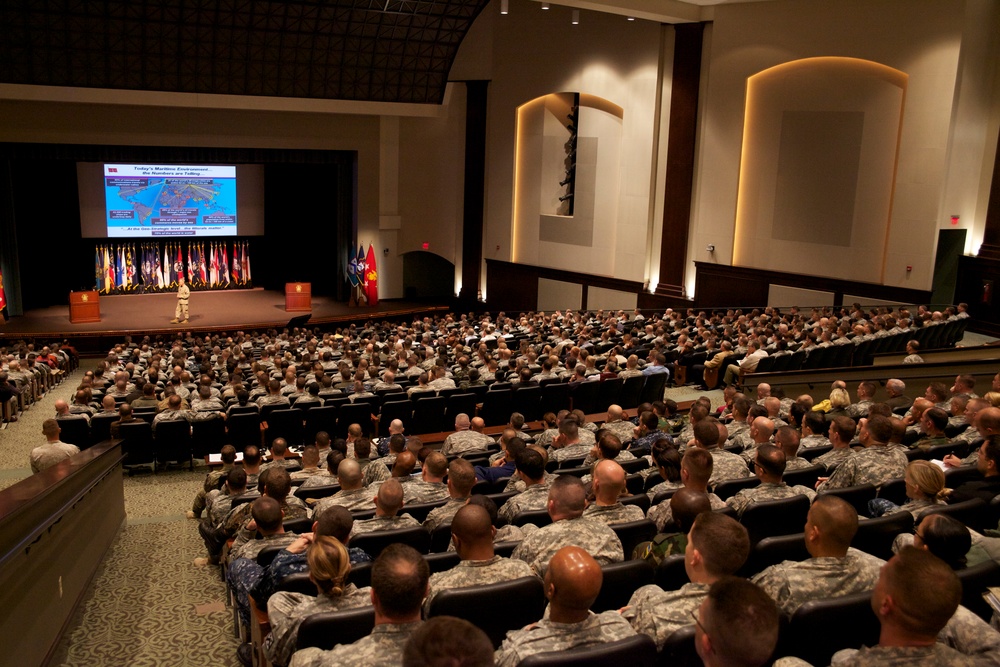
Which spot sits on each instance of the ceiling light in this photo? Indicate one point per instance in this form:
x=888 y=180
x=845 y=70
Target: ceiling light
x=503 y=7
x=576 y=17
x=631 y=18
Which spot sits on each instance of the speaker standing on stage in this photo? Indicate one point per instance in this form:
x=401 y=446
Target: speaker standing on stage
x=183 y=294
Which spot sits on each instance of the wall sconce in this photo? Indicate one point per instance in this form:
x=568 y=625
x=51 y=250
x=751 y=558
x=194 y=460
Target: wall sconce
x=504 y=8
x=576 y=17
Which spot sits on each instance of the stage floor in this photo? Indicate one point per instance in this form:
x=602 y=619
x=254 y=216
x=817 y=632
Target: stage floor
x=252 y=309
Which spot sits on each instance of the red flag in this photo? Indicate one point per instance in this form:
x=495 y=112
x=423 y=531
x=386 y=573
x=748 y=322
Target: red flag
x=3 y=294
x=371 y=277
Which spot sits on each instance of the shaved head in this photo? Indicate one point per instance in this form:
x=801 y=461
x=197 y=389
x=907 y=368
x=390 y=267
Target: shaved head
x=835 y=519
x=472 y=524
x=349 y=474
x=390 y=496
x=573 y=579
x=609 y=481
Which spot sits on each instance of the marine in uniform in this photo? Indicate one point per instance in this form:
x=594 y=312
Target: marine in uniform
x=183 y=294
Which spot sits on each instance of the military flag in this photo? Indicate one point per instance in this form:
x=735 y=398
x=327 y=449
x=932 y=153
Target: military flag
x=371 y=277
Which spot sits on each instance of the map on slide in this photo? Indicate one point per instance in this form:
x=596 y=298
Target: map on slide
x=170 y=200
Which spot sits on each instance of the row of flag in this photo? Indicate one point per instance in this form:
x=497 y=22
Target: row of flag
x=363 y=275
x=148 y=266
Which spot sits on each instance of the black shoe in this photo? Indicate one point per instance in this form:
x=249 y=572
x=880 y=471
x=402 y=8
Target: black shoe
x=245 y=654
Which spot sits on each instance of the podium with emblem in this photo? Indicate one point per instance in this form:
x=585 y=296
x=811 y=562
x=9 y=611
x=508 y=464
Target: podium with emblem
x=298 y=297
x=84 y=307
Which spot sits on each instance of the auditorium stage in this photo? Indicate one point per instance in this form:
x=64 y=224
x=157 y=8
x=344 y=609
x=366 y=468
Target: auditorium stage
x=247 y=310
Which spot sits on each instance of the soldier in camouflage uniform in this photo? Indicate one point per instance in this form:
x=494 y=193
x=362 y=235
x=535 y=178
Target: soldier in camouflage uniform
x=813 y=427
x=372 y=470
x=787 y=439
x=531 y=471
x=572 y=583
x=465 y=439
x=329 y=565
x=834 y=568
x=696 y=470
x=609 y=482
x=472 y=533
x=567 y=500
x=770 y=467
x=274 y=396
x=615 y=424
x=933 y=423
x=461 y=479
x=567 y=444
x=430 y=488
x=987 y=423
x=725 y=465
x=352 y=494
x=695 y=415
x=717 y=546
x=212 y=481
x=875 y=464
x=609 y=447
x=841 y=434
x=761 y=432
x=866 y=392
x=667 y=460
x=388 y=502
x=912 y=616
x=399 y=583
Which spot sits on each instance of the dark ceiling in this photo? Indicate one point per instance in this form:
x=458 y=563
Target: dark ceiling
x=374 y=50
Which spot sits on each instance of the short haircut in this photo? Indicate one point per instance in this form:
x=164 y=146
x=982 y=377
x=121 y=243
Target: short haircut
x=924 y=610
x=530 y=464
x=279 y=483
x=610 y=446
x=514 y=447
x=706 y=432
x=487 y=504
x=844 y=427
x=251 y=455
x=399 y=580
x=266 y=511
x=50 y=427
x=742 y=622
x=937 y=417
x=880 y=428
x=836 y=519
x=724 y=544
x=462 y=476
x=686 y=505
x=279 y=447
x=447 y=641
x=699 y=464
x=339 y=445
x=771 y=459
x=336 y=521
x=237 y=478
x=666 y=456
x=397 y=442
x=869 y=387
x=568 y=495
x=815 y=422
x=390 y=495
x=362 y=448
x=992 y=449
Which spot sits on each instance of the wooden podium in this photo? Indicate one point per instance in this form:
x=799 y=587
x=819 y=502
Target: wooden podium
x=84 y=307
x=298 y=297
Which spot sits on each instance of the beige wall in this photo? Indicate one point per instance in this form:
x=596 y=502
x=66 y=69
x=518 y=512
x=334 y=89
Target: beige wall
x=943 y=117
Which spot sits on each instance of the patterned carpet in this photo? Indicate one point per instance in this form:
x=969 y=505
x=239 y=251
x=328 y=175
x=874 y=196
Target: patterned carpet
x=148 y=605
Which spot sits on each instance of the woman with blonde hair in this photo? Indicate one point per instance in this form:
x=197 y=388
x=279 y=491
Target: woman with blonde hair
x=329 y=565
x=924 y=489
x=839 y=400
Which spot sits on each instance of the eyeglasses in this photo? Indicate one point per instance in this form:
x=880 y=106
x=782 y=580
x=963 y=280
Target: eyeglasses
x=697 y=621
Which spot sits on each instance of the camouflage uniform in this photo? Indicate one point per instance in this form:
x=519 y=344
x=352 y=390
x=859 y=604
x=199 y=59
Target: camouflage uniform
x=384 y=646
x=306 y=473
x=727 y=466
x=383 y=523
x=355 y=499
x=286 y=611
x=767 y=491
x=813 y=441
x=272 y=399
x=545 y=438
x=517 y=484
x=797 y=463
x=373 y=471
x=594 y=537
x=858 y=410
x=937 y=655
x=535 y=497
x=791 y=583
x=612 y=514
x=293 y=508
x=464 y=442
x=967 y=437
x=323 y=479
x=872 y=465
x=742 y=439
x=476 y=573
x=623 y=429
x=834 y=458
x=547 y=637
x=658 y=613
x=246 y=547
x=930 y=441
x=735 y=428
x=418 y=492
x=579 y=450
x=623 y=455
x=441 y=516
x=663 y=486
x=662 y=515
x=686 y=435
x=971 y=636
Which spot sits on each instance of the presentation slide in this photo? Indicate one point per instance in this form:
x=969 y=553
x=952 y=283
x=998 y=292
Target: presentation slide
x=152 y=200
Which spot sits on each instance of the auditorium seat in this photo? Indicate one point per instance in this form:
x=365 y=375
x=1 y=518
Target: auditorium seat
x=635 y=651
x=285 y=424
x=137 y=445
x=208 y=436
x=635 y=465
x=820 y=628
x=857 y=496
x=538 y=517
x=632 y=533
x=100 y=428
x=243 y=430
x=974 y=513
x=975 y=580
x=630 y=392
x=555 y=396
x=361 y=573
x=375 y=542
x=894 y=491
x=527 y=401
x=769 y=518
x=512 y=605
x=640 y=500
x=804 y=476
x=401 y=410
x=327 y=629
x=456 y=404
x=670 y=573
x=315 y=492
x=172 y=442
x=74 y=432
x=319 y=419
x=355 y=413
x=679 y=650
x=497 y=407
x=652 y=390
x=584 y=397
x=875 y=536
x=428 y=415
x=773 y=550
x=608 y=393
x=620 y=581
x=728 y=488
x=419 y=511
x=442 y=561
x=298 y=582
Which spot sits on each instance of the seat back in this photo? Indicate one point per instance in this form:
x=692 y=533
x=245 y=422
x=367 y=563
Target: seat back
x=267 y=554
x=584 y=397
x=401 y=410
x=327 y=629
x=298 y=583
x=208 y=436
x=172 y=442
x=640 y=500
x=428 y=415
x=608 y=393
x=875 y=536
x=355 y=413
x=636 y=651
x=894 y=491
x=857 y=496
x=74 y=432
x=442 y=561
x=773 y=550
x=768 y=518
x=631 y=390
x=375 y=542
x=538 y=517
x=631 y=533
x=455 y=405
x=975 y=580
x=314 y=492
x=652 y=390
x=814 y=452
x=497 y=408
x=512 y=605
x=730 y=487
x=100 y=427
x=555 y=397
x=634 y=465
x=820 y=628
x=137 y=443
x=299 y=526
x=243 y=430
x=804 y=476
x=620 y=581
x=528 y=401
x=679 y=650
x=419 y=511
x=285 y=424
x=973 y=513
